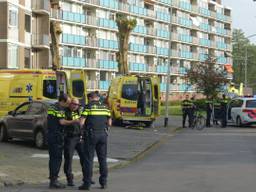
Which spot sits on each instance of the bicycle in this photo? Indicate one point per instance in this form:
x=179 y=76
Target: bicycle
x=199 y=121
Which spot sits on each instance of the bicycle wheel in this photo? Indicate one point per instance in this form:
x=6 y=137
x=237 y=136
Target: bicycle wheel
x=200 y=123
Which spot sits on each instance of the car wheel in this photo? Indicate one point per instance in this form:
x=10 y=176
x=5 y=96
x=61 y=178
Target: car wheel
x=3 y=133
x=239 y=121
x=40 y=140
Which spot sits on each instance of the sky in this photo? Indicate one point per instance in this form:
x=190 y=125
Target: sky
x=243 y=16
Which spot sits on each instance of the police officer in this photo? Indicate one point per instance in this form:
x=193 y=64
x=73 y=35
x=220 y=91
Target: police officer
x=72 y=140
x=216 y=111
x=97 y=120
x=187 y=106
x=55 y=124
x=223 y=109
x=208 y=103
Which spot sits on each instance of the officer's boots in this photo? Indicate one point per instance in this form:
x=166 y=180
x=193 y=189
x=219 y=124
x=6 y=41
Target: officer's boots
x=55 y=184
x=70 y=180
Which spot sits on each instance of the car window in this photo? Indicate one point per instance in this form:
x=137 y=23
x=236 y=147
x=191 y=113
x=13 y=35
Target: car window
x=236 y=103
x=21 y=110
x=35 y=109
x=130 y=91
x=251 y=104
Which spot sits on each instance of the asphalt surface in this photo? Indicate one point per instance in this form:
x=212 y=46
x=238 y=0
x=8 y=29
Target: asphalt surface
x=22 y=163
x=211 y=160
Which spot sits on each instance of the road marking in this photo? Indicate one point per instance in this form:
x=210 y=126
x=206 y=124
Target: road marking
x=45 y=156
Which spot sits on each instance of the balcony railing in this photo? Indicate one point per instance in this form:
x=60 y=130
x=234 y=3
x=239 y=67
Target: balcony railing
x=40 y=40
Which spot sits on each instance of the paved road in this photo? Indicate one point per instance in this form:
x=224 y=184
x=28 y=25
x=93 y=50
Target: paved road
x=212 y=160
x=124 y=145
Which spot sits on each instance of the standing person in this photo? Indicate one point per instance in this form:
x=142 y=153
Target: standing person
x=223 y=109
x=187 y=111
x=72 y=140
x=208 y=103
x=216 y=111
x=97 y=120
x=55 y=124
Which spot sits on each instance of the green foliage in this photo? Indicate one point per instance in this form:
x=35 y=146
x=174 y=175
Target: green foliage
x=240 y=42
x=207 y=77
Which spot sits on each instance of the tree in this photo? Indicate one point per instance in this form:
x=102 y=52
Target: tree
x=207 y=77
x=55 y=31
x=125 y=27
x=240 y=42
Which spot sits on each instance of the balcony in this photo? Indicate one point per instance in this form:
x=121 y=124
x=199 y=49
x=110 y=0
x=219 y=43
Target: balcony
x=41 y=7
x=138 y=67
x=108 y=65
x=73 y=62
x=92 y=85
x=73 y=39
x=40 y=41
x=91 y=64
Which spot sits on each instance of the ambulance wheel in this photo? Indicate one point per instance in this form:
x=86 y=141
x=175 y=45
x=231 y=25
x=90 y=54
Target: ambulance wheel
x=3 y=133
x=118 y=122
x=148 y=123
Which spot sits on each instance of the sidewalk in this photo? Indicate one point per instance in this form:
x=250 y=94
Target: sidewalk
x=125 y=146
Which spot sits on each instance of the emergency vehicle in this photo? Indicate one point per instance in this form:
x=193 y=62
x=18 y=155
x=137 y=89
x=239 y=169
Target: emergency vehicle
x=18 y=86
x=134 y=98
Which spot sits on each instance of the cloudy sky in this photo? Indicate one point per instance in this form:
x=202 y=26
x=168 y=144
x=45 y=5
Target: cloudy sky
x=243 y=15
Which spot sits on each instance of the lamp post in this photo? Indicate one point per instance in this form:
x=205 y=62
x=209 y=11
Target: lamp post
x=246 y=61
x=168 y=71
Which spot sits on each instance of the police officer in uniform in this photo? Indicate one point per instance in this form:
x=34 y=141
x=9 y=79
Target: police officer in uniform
x=97 y=120
x=55 y=124
x=208 y=103
x=224 y=102
x=216 y=111
x=72 y=140
x=187 y=107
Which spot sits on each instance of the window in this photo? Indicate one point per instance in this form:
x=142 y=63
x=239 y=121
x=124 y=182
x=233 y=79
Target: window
x=251 y=104
x=28 y=23
x=21 y=110
x=35 y=109
x=13 y=17
x=78 y=88
x=27 y=58
x=12 y=56
x=130 y=92
x=49 y=89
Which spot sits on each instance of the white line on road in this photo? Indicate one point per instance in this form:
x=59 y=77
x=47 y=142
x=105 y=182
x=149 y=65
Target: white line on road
x=44 y=156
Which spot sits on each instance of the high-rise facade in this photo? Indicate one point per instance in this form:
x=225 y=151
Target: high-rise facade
x=89 y=41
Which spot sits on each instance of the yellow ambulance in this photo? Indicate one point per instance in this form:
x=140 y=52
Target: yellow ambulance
x=17 y=86
x=134 y=98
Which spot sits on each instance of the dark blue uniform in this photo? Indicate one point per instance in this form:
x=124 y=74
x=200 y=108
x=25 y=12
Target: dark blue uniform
x=55 y=139
x=95 y=128
x=224 y=103
x=208 y=112
x=187 y=109
x=72 y=143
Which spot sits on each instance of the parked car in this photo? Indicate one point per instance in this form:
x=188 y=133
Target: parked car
x=242 y=111
x=28 y=121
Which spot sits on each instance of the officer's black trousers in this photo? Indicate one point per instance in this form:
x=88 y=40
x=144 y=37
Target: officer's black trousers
x=187 y=113
x=208 y=118
x=70 y=145
x=96 y=142
x=224 y=119
x=55 y=147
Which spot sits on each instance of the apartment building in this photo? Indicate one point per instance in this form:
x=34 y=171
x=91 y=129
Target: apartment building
x=88 y=41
